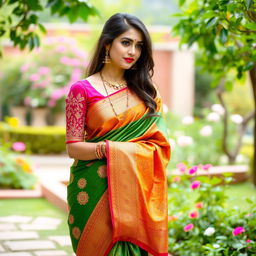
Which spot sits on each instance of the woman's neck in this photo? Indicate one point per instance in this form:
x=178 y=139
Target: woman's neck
x=112 y=74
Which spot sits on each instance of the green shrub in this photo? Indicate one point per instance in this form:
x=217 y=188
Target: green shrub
x=45 y=140
x=15 y=172
x=201 y=224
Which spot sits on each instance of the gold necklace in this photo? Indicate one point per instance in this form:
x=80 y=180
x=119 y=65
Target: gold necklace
x=127 y=103
x=115 y=85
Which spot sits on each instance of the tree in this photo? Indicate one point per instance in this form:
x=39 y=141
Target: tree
x=225 y=34
x=20 y=22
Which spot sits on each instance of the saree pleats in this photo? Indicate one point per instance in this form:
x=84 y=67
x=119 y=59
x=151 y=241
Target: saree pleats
x=118 y=206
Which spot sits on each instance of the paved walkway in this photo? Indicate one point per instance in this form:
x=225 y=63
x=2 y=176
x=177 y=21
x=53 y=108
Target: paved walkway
x=22 y=236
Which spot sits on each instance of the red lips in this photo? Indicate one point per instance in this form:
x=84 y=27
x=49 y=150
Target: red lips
x=129 y=60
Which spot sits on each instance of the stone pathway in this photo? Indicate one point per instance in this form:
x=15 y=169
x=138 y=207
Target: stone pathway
x=21 y=236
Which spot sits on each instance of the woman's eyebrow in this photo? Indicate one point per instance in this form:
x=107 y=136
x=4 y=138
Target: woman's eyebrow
x=129 y=39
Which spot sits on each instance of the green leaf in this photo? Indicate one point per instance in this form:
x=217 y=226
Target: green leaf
x=56 y=6
x=42 y=28
x=36 y=40
x=64 y=11
x=2 y=32
x=13 y=35
x=73 y=13
x=34 y=5
x=251 y=26
x=248 y=4
x=84 y=12
x=223 y=35
x=248 y=200
x=211 y=22
x=18 y=11
x=181 y=2
x=248 y=66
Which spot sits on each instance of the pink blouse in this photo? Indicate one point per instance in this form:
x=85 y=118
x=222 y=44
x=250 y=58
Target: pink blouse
x=82 y=95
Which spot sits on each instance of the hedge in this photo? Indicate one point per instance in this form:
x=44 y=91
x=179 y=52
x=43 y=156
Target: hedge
x=38 y=140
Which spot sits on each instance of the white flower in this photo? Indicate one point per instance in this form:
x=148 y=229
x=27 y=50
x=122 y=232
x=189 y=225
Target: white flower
x=188 y=120
x=34 y=103
x=240 y=159
x=213 y=117
x=165 y=108
x=172 y=143
x=223 y=159
x=206 y=131
x=237 y=119
x=216 y=246
x=209 y=231
x=218 y=109
x=184 y=141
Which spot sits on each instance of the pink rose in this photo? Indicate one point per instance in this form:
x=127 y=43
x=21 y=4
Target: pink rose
x=188 y=227
x=43 y=70
x=193 y=214
x=18 y=146
x=237 y=231
x=34 y=77
x=195 y=184
x=248 y=241
x=181 y=167
x=193 y=170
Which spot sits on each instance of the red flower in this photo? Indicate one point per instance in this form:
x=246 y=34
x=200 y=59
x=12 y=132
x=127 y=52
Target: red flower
x=188 y=227
x=193 y=214
x=237 y=231
x=193 y=170
x=199 y=205
x=195 y=184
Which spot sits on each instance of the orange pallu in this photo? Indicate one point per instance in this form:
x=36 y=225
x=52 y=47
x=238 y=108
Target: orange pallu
x=131 y=204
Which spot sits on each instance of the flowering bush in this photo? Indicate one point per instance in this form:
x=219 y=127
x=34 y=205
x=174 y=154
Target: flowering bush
x=15 y=171
x=48 y=72
x=199 y=221
x=195 y=139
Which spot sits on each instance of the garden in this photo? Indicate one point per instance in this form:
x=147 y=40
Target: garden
x=211 y=175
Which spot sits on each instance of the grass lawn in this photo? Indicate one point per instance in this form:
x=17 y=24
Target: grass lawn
x=36 y=207
x=238 y=193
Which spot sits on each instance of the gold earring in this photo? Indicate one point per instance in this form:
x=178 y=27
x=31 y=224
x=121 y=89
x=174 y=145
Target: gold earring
x=107 y=58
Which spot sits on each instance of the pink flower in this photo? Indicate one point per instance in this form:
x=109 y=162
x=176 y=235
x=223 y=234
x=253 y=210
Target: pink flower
x=199 y=205
x=34 y=77
x=51 y=103
x=24 y=68
x=57 y=94
x=43 y=70
x=237 y=231
x=18 y=146
x=248 y=241
x=27 y=101
x=193 y=214
x=188 y=227
x=206 y=167
x=248 y=215
x=193 y=170
x=176 y=179
x=181 y=167
x=195 y=184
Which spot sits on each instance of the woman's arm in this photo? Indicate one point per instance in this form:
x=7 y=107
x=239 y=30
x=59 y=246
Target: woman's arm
x=85 y=150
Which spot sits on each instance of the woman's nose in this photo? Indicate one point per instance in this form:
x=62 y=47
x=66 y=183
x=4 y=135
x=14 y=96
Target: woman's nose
x=132 y=50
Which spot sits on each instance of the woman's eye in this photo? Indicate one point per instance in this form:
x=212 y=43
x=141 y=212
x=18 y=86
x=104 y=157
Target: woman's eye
x=139 y=46
x=126 y=43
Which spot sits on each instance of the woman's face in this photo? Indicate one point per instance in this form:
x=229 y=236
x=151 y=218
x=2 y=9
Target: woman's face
x=125 y=50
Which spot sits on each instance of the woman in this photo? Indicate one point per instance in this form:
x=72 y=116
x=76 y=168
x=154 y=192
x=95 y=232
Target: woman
x=117 y=193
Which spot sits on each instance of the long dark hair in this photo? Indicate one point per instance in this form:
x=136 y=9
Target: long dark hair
x=139 y=80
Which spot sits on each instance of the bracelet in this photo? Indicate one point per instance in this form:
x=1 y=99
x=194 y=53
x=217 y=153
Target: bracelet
x=100 y=150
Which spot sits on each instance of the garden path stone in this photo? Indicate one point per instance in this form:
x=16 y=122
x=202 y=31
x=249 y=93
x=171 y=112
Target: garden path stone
x=16 y=219
x=1 y=248
x=46 y=221
x=50 y=253
x=7 y=226
x=16 y=254
x=15 y=235
x=61 y=240
x=30 y=245
x=38 y=227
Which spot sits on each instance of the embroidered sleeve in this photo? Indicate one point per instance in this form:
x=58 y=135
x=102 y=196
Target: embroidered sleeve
x=75 y=114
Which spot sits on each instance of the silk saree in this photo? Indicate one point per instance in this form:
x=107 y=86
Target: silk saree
x=118 y=205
